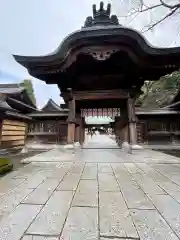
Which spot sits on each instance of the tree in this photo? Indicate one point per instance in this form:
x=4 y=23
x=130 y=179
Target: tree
x=164 y=9
x=160 y=93
x=27 y=84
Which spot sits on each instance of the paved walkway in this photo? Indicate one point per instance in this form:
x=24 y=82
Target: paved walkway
x=94 y=194
x=100 y=142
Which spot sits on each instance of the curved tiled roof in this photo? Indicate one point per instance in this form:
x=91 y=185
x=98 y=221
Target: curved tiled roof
x=11 y=88
x=17 y=92
x=51 y=106
x=3 y=104
x=102 y=28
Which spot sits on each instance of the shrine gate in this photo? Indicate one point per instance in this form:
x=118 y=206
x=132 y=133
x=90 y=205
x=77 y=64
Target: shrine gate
x=100 y=70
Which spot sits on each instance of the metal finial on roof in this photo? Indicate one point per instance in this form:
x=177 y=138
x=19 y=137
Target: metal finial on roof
x=101 y=16
x=109 y=9
x=101 y=12
x=94 y=10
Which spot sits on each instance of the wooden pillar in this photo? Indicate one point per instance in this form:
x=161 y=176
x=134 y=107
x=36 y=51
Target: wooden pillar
x=132 y=121
x=123 y=126
x=82 y=131
x=118 y=131
x=1 y=125
x=71 y=130
x=77 y=134
x=80 y=135
x=125 y=134
x=71 y=121
x=78 y=127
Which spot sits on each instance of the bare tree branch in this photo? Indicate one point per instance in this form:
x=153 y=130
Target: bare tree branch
x=135 y=16
x=150 y=8
x=142 y=7
x=142 y=4
x=161 y=20
x=138 y=12
x=135 y=12
x=169 y=6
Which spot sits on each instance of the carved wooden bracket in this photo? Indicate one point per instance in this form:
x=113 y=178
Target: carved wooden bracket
x=102 y=55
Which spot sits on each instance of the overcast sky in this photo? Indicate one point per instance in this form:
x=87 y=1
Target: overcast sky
x=36 y=27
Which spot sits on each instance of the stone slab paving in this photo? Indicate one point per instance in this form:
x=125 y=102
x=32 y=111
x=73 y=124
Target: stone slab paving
x=82 y=223
x=170 y=171
x=13 y=226
x=42 y=193
x=52 y=216
x=106 y=238
x=93 y=194
x=34 y=181
x=84 y=193
x=134 y=196
x=90 y=172
x=147 y=184
x=105 y=168
x=30 y=237
x=107 y=182
x=70 y=182
x=170 y=211
x=13 y=199
x=115 y=219
x=8 y=185
x=151 y=225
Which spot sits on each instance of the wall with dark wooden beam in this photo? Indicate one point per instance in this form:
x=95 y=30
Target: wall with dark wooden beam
x=47 y=131
x=158 y=129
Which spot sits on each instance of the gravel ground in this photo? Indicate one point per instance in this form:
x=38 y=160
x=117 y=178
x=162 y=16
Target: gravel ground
x=173 y=152
x=15 y=159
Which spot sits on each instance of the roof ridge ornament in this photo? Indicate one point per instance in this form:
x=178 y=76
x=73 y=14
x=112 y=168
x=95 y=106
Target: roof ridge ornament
x=101 y=12
x=101 y=17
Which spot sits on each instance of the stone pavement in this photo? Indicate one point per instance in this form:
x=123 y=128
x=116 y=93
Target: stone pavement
x=92 y=194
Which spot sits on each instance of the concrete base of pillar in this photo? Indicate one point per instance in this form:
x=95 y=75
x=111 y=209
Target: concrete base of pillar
x=126 y=147
x=136 y=147
x=77 y=144
x=25 y=161
x=69 y=146
x=24 y=150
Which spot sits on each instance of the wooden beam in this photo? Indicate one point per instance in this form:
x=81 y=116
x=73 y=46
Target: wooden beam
x=100 y=95
x=13 y=138
x=71 y=133
x=72 y=111
x=132 y=121
x=10 y=144
x=13 y=123
x=13 y=128
x=13 y=133
x=67 y=95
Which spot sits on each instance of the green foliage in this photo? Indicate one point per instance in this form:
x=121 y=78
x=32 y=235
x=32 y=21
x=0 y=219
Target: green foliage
x=160 y=93
x=6 y=168
x=3 y=161
x=5 y=165
x=27 y=84
x=171 y=81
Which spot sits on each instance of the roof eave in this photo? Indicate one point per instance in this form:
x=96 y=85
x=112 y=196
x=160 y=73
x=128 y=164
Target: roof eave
x=17 y=115
x=92 y=33
x=50 y=114
x=22 y=104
